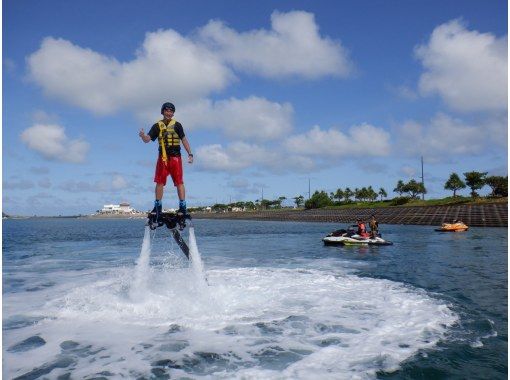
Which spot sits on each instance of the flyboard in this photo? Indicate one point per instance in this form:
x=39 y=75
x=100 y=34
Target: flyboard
x=175 y=222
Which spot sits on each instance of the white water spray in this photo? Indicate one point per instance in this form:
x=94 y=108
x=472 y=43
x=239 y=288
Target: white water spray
x=196 y=261
x=142 y=270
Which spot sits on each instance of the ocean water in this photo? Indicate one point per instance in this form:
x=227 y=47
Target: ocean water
x=108 y=299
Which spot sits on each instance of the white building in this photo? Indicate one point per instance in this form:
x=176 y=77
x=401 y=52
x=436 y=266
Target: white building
x=123 y=208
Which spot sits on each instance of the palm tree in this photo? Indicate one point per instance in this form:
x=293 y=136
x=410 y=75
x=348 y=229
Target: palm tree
x=400 y=188
x=299 y=200
x=382 y=193
x=348 y=194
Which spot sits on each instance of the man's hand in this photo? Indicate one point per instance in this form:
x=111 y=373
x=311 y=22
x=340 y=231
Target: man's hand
x=190 y=158
x=145 y=138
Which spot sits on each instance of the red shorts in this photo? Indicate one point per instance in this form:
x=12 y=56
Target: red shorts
x=173 y=167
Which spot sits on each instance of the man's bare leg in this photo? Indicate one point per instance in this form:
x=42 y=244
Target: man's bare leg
x=181 y=192
x=159 y=191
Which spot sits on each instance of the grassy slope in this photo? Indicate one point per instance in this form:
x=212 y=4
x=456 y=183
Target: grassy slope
x=419 y=202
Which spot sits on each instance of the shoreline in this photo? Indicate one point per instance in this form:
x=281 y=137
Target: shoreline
x=474 y=215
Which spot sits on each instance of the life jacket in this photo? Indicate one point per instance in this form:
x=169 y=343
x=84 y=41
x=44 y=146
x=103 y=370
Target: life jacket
x=167 y=137
x=361 y=228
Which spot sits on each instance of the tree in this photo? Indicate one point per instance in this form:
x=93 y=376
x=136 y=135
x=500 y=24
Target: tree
x=338 y=195
x=218 y=207
x=265 y=203
x=250 y=205
x=414 y=188
x=363 y=194
x=399 y=188
x=348 y=194
x=278 y=202
x=454 y=183
x=498 y=184
x=318 y=200
x=371 y=194
x=475 y=181
x=299 y=200
x=357 y=194
x=382 y=193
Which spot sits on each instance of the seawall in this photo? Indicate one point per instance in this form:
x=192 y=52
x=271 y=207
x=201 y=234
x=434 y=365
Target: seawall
x=474 y=215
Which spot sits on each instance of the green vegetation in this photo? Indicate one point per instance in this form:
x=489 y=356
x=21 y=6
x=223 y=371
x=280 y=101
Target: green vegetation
x=319 y=199
x=454 y=183
x=499 y=185
x=475 y=181
x=366 y=197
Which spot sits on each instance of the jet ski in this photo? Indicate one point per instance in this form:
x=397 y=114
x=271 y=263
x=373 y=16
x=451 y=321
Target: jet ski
x=175 y=222
x=453 y=227
x=350 y=237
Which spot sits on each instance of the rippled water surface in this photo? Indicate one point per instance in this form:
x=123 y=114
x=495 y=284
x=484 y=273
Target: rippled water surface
x=86 y=299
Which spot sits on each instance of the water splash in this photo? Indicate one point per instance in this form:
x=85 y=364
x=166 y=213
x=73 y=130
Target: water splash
x=196 y=260
x=142 y=270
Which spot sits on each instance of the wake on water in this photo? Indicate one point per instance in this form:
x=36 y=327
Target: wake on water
x=271 y=323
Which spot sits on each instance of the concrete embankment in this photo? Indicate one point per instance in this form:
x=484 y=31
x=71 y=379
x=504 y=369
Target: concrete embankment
x=474 y=215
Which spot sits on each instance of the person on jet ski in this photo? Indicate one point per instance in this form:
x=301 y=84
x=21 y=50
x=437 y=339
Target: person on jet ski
x=374 y=227
x=362 y=230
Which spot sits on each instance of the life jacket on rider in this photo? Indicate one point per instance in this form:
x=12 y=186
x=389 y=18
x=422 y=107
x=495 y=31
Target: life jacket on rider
x=362 y=230
x=168 y=138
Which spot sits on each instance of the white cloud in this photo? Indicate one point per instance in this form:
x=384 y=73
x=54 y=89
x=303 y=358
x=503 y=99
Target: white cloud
x=235 y=157
x=51 y=142
x=361 y=140
x=184 y=70
x=252 y=118
x=111 y=184
x=239 y=156
x=468 y=69
x=445 y=136
x=292 y=47
x=167 y=66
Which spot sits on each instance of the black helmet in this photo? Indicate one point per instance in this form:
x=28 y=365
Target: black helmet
x=168 y=105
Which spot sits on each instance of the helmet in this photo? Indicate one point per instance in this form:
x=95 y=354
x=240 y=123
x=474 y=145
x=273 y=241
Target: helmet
x=167 y=105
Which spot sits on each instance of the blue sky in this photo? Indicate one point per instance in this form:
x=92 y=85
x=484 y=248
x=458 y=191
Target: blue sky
x=270 y=95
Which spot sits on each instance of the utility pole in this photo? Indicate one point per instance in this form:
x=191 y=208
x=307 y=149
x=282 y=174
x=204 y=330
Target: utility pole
x=308 y=188
x=262 y=194
x=422 y=179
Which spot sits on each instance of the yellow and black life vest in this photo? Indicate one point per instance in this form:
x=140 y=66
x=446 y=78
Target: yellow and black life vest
x=167 y=137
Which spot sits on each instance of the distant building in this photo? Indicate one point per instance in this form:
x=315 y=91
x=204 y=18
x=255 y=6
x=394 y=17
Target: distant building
x=110 y=209
x=123 y=208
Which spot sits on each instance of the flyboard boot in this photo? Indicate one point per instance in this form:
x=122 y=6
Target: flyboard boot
x=155 y=216
x=175 y=222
